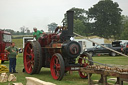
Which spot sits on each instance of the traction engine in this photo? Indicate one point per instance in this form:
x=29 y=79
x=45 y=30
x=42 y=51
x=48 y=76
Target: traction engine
x=57 y=52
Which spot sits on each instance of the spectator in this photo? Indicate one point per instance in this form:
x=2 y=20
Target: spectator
x=12 y=52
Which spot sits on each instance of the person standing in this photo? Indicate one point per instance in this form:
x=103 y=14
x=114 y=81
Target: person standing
x=12 y=52
x=37 y=33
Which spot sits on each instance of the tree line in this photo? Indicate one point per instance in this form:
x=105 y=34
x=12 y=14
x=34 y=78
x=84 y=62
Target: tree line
x=23 y=31
x=104 y=19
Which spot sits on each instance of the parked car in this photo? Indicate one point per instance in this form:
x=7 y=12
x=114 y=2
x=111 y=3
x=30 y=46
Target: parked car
x=101 y=50
x=125 y=48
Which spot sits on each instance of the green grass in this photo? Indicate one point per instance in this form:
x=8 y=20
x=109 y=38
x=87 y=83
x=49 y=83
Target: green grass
x=69 y=79
x=118 y=60
x=21 y=36
x=18 y=43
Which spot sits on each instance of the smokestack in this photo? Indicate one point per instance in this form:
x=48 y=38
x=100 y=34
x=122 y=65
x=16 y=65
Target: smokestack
x=70 y=15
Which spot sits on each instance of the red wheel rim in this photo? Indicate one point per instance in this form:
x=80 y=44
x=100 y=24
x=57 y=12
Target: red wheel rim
x=83 y=62
x=55 y=67
x=28 y=58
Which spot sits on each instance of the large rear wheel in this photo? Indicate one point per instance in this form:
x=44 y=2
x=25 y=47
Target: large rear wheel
x=32 y=57
x=84 y=60
x=57 y=67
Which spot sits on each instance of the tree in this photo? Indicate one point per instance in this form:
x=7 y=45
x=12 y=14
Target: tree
x=78 y=14
x=52 y=27
x=28 y=31
x=105 y=19
x=17 y=33
x=80 y=20
x=10 y=30
x=79 y=27
x=124 y=34
x=24 y=30
x=42 y=30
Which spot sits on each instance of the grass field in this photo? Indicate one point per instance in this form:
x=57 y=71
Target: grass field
x=69 y=79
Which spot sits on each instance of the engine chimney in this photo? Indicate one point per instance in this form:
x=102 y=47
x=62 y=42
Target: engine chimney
x=70 y=15
x=68 y=33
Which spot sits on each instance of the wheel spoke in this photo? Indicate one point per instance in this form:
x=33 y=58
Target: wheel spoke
x=27 y=58
x=32 y=56
x=57 y=74
x=31 y=51
x=57 y=66
x=27 y=53
x=32 y=64
x=29 y=47
x=28 y=62
x=56 y=60
x=54 y=71
x=30 y=68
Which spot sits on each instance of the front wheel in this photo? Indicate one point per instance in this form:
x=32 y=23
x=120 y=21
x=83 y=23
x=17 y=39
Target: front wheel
x=57 y=67
x=84 y=60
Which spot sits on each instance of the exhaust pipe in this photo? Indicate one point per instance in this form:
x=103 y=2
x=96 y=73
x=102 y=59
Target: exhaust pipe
x=70 y=15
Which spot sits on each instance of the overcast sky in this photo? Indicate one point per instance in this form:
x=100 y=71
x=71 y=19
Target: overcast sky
x=39 y=13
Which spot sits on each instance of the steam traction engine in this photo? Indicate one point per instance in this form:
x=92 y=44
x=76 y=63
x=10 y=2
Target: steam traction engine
x=57 y=51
